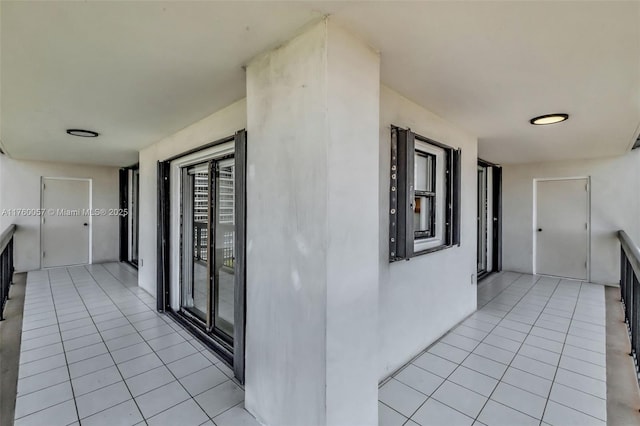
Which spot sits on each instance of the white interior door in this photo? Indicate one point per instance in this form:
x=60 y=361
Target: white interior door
x=65 y=227
x=562 y=228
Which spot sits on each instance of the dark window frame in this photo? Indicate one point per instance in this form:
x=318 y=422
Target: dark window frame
x=124 y=220
x=402 y=236
x=235 y=358
x=496 y=236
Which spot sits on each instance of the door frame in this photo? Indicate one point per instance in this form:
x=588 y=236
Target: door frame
x=125 y=194
x=496 y=213
x=534 y=222
x=44 y=215
x=169 y=250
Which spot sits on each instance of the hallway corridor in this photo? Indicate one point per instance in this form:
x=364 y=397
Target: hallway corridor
x=94 y=351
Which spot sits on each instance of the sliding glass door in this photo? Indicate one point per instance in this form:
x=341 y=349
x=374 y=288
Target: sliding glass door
x=208 y=252
x=201 y=244
x=129 y=221
x=489 y=225
x=482 y=220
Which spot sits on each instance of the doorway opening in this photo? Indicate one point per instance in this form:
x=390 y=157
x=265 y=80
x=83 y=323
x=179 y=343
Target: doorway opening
x=489 y=219
x=129 y=222
x=201 y=244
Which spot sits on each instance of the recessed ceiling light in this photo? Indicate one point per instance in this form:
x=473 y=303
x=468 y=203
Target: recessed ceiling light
x=82 y=133
x=549 y=119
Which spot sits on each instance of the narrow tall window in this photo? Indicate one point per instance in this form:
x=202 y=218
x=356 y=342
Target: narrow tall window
x=424 y=207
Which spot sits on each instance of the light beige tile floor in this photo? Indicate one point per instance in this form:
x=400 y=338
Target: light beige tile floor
x=533 y=354
x=95 y=352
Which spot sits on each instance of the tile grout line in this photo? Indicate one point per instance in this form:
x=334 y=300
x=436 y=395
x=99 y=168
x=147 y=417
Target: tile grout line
x=521 y=343
x=479 y=355
x=558 y=367
x=73 y=395
x=109 y=351
x=172 y=322
x=553 y=381
x=535 y=283
x=171 y=372
x=63 y=352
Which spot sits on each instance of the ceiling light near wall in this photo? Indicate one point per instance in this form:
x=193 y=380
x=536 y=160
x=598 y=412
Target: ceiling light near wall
x=82 y=133
x=549 y=119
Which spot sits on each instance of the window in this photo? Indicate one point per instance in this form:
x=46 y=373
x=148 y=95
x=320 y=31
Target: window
x=424 y=197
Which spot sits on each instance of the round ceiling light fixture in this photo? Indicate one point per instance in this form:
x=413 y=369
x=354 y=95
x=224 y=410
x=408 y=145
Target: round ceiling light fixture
x=83 y=133
x=549 y=119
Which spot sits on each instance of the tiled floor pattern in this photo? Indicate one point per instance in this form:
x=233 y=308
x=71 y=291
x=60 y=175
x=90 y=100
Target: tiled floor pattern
x=95 y=352
x=534 y=354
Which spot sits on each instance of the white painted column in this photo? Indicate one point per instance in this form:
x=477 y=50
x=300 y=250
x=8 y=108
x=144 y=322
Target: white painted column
x=312 y=231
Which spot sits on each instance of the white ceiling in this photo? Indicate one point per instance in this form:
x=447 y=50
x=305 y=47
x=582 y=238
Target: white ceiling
x=139 y=71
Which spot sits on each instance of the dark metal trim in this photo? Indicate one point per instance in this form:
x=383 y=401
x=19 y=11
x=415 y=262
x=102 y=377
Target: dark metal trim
x=200 y=148
x=497 y=216
x=406 y=148
x=163 y=235
x=432 y=142
x=124 y=223
x=6 y=236
x=202 y=336
x=123 y=220
x=240 y=294
x=631 y=250
x=496 y=219
x=483 y=274
x=456 y=170
x=6 y=266
x=485 y=163
x=212 y=170
x=393 y=199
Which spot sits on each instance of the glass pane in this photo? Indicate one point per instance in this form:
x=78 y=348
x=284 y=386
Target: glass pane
x=424 y=171
x=195 y=234
x=420 y=172
x=423 y=217
x=224 y=267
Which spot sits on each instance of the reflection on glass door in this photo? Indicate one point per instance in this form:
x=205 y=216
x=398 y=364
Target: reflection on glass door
x=224 y=264
x=195 y=232
x=208 y=252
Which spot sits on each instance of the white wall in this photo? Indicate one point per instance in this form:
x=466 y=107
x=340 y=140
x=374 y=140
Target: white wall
x=419 y=300
x=312 y=213
x=216 y=126
x=615 y=204
x=20 y=189
x=422 y=298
